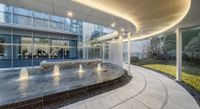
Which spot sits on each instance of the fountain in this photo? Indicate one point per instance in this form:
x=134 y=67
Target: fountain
x=80 y=72
x=99 y=67
x=80 y=68
x=23 y=74
x=56 y=71
x=56 y=80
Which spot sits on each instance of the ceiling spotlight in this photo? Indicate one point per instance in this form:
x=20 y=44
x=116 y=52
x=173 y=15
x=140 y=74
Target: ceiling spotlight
x=122 y=29
x=70 y=14
x=113 y=25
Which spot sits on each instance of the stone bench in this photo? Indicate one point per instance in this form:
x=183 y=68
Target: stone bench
x=49 y=65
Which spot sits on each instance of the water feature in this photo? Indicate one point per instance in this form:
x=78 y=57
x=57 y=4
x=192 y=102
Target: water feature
x=23 y=75
x=20 y=86
x=80 y=68
x=56 y=71
x=80 y=71
x=56 y=80
x=99 y=67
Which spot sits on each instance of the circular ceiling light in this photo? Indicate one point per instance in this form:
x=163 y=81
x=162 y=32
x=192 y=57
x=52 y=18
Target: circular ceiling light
x=70 y=14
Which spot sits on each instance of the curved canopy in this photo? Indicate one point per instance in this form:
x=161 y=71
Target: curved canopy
x=150 y=17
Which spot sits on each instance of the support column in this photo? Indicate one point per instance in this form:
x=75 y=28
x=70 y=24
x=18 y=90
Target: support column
x=104 y=51
x=178 y=54
x=114 y=51
x=129 y=52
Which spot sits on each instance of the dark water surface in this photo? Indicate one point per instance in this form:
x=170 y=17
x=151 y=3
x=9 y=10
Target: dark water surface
x=42 y=83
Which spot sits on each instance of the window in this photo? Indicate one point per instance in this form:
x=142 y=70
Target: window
x=22 y=48
x=57 y=49
x=22 y=16
x=72 y=49
x=41 y=20
x=41 y=47
x=75 y=26
x=5 y=48
x=57 y=22
x=5 y=13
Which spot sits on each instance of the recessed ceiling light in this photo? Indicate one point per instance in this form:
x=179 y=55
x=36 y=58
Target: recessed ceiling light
x=122 y=29
x=70 y=14
x=113 y=25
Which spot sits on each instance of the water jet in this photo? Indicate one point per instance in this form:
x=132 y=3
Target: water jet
x=99 y=67
x=23 y=75
x=56 y=71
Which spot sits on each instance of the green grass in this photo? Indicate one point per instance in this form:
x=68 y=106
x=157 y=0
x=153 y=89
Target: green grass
x=189 y=77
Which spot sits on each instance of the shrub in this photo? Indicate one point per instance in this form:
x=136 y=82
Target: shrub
x=134 y=59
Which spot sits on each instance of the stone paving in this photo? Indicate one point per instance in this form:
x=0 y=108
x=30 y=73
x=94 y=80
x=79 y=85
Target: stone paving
x=147 y=90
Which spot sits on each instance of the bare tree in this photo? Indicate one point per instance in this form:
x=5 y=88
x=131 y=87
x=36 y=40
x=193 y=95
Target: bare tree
x=155 y=48
x=192 y=50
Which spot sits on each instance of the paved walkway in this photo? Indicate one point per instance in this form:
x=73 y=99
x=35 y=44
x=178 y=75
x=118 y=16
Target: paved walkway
x=147 y=90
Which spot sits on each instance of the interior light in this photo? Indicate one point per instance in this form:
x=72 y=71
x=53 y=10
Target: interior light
x=122 y=29
x=70 y=14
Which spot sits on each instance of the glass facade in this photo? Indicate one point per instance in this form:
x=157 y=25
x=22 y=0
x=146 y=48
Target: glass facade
x=5 y=48
x=22 y=48
x=42 y=36
x=5 y=13
x=41 y=20
x=19 y=48
x=22 y=17
x=34 y=19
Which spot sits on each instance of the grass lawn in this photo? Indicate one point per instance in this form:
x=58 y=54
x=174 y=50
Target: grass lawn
x=190 y=75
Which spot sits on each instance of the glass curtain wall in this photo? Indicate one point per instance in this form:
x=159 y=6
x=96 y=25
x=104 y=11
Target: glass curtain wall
x=191 y=57
x=34 y=19
x=72 y=49
x=5 y=48
x=41 y=47
x=160 y=49
x=41 y=20
x=22 y=48
x=159 y=53
x=61 y=48
x=57 y=46
x=30 y=47
x=90 y=48
x=5 y=13
x=57 y=22
x=22 y=17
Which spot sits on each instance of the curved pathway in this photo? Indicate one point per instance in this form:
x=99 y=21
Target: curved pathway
x=147 y=90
